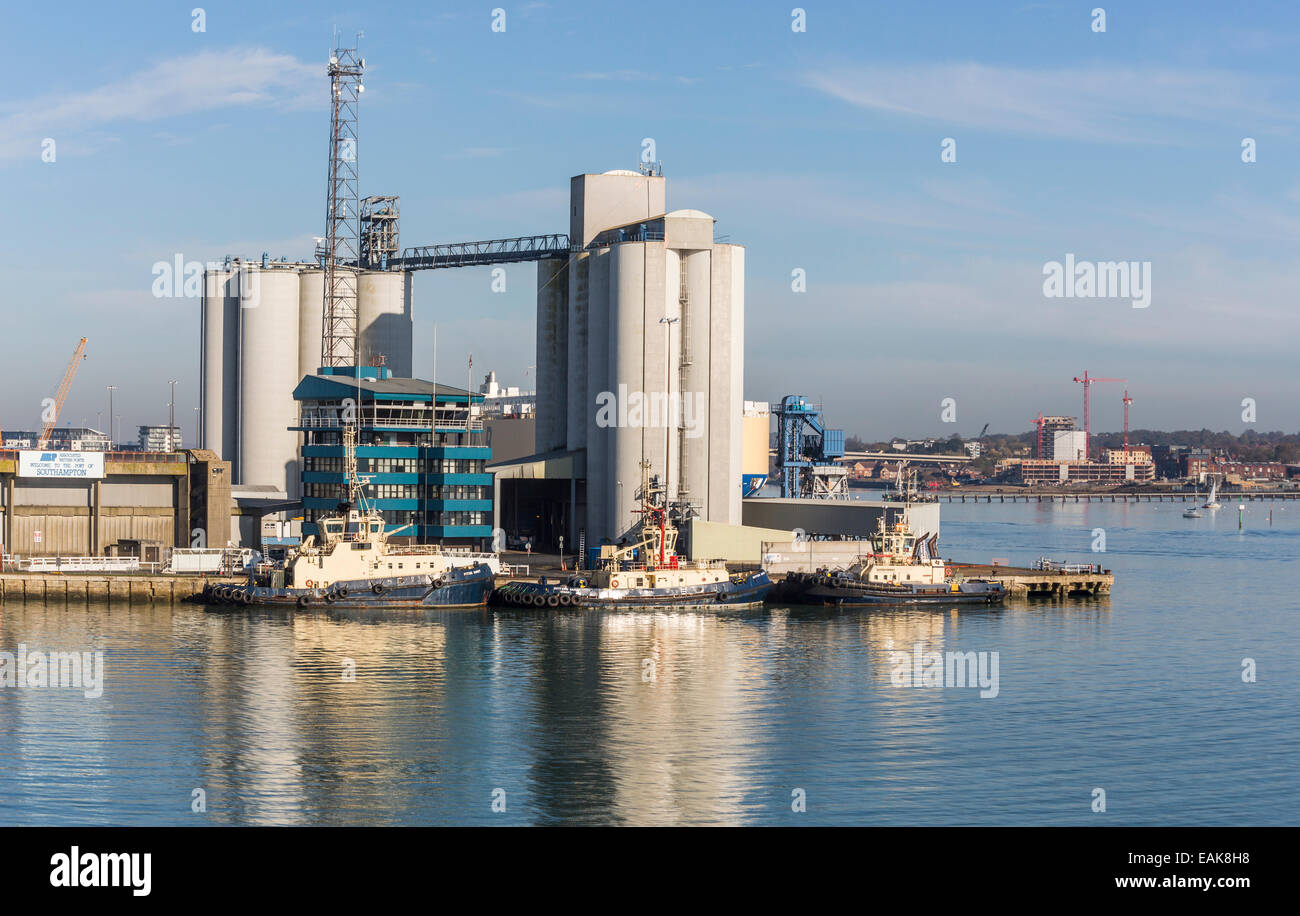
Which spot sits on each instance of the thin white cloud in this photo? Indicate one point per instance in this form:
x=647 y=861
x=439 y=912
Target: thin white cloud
x=1097 y=103
x=634 y=76
x=193 y=84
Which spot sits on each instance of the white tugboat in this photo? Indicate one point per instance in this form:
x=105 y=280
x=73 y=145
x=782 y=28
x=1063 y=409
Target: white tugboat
x=645 y=574
x=352 y=565
x=902 y=568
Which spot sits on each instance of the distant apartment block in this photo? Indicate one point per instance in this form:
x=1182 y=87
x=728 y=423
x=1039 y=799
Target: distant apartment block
x=70 y=438
x=159 y=438
x=1198 y=466
x=1060 y=472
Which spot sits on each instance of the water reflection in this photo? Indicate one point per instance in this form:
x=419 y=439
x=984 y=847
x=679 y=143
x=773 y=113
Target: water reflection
x=372 y=717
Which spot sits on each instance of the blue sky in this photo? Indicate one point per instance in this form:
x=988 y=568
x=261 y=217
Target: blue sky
x=817 y=150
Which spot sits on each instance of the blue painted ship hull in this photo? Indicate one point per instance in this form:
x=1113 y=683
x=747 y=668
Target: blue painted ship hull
x=842 y=591
x=468 y=586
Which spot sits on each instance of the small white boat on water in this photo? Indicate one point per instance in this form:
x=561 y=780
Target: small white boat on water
x=1213 y=501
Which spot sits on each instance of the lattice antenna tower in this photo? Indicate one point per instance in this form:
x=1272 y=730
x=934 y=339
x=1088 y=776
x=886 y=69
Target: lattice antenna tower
x=341 y=246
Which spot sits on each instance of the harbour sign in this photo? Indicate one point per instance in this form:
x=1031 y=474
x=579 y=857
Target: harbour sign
x=88 y=465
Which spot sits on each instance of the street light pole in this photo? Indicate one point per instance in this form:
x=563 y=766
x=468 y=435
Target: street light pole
x=668 y=396
x=112 y=438
x=171 y=418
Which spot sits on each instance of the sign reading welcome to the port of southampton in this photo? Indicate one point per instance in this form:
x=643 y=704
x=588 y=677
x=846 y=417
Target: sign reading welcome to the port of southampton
x=61 y=464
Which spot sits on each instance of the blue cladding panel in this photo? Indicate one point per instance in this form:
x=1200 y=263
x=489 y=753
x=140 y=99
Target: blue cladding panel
x=833 y=444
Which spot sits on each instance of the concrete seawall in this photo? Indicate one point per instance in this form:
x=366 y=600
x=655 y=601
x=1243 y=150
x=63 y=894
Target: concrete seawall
x=125 y=589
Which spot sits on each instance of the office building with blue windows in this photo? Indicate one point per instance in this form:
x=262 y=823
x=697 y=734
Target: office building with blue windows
x=421 y=449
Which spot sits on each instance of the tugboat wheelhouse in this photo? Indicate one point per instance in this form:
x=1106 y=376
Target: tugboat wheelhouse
x=421 y=448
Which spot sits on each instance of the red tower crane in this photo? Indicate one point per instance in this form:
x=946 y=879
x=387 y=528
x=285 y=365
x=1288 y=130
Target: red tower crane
x=1127 y=401
x=1087 y=382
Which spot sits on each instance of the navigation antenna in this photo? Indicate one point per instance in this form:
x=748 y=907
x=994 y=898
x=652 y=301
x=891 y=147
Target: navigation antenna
x=356 y=484
x=339 y=253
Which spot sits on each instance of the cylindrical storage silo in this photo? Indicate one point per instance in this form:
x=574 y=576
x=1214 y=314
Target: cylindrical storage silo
x=726 y=379
x=311 y=322
x=600 y=485
x=219 y=363
x=552 y=354
x=384 y=324
x=575 y=434
x=627 y=345
x=268 y=374
x=696 y=337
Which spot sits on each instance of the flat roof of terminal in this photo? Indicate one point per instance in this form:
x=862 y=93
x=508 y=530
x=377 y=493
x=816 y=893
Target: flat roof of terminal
x=330 y=386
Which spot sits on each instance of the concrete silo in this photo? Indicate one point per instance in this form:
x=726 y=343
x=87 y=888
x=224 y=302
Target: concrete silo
x=384 y=322
x=653 y=314
x=268 y=373
x=628 y=342
x=219 y=363
x=311 y=320
x=726 y=401
x=694 y=295
x=601 y=508
x=552 y=354
x=576 y=407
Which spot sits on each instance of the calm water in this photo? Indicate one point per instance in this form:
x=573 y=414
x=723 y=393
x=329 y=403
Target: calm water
x=1140 y=694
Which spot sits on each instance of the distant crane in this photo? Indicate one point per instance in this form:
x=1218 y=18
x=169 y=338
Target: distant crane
x=1127 y=401
x=1087 y=382
x=77 y=356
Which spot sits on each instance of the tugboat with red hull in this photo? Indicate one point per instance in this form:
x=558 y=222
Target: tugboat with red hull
x=645 y=574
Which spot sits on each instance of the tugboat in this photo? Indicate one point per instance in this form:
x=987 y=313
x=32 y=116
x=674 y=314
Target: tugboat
x=645 y=574
x=901 y=569
x=353 y=566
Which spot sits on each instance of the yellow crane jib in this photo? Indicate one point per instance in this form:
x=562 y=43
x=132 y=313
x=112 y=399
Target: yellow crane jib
x=62 y=394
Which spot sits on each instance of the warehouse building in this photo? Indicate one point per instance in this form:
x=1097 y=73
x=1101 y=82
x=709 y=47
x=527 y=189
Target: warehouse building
x=77 y=504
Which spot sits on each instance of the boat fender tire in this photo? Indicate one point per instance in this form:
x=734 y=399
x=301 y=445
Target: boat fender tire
x=341 y=592
x=565 y=600
x=304 y=601
x=552 y=600
x=439 y=582
x=538 y=600
x=377 y=588
x=245 y=597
